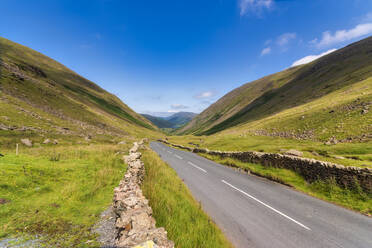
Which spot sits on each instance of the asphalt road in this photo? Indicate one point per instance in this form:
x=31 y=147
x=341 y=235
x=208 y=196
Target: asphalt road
x=255 y=212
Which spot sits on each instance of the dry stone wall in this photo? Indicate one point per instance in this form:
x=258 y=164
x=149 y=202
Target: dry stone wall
x=310 y=169
x=134 y=221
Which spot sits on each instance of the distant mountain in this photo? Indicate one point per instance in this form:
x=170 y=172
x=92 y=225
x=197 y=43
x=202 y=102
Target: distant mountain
x=330 y=96
x=160 y=122
x=174 y=121
x=181 y=118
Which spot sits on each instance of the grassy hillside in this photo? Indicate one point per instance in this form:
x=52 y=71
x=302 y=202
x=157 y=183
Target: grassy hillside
x=39 y=98
x=307 y=102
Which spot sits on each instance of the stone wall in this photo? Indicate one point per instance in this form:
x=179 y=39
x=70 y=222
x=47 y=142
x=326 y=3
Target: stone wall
x=310 y=169
x=134 y=221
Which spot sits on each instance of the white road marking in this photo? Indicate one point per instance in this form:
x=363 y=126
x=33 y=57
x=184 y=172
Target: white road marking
x=197 y=167
x=179 y=157
x=169 y=152
x=277 y=211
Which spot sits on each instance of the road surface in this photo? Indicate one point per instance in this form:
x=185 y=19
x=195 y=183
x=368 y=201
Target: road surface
x=255 y=212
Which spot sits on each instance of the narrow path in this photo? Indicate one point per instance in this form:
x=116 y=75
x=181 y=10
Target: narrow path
x=255 y=212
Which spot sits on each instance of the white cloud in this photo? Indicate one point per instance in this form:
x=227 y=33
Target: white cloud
x=284 y=39
x=203 y=95
x=178 y=106
x=311 y=58
x=254 y=5
x=265 y=51
x=343 y=35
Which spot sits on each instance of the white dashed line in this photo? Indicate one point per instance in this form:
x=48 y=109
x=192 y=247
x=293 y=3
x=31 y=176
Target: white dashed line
x=197 y=167
x=276 y=211
x=179 y=157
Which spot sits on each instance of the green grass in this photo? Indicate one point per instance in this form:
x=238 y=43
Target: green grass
x=57 y=193
x=175 y=209
x=354 y=199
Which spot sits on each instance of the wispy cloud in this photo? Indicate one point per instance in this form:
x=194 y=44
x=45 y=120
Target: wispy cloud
x=343 y=35
x=265 y=51
x=255 y=6
x=285 y=38
x=178 y=106
x=311 y=58
x=204 y=95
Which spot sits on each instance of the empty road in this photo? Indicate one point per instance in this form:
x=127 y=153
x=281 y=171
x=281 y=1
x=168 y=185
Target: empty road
x=255 y=212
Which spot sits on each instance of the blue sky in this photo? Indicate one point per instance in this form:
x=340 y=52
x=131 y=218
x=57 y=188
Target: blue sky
x=173 y=55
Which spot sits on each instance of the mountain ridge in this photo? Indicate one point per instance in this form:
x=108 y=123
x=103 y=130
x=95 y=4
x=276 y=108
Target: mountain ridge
x=37 y=85
x=287 y=89
x=176 y=120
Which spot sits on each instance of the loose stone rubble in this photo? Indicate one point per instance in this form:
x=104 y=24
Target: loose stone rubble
x=311 y=169
x=134 y=221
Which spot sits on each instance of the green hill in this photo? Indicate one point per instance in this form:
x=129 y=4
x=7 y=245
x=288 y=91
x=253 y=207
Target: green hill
x=328 y=97
x=42 y=98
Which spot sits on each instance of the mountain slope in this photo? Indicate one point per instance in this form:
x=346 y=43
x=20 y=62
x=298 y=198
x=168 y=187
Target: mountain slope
x=174 y=121
x=181 y=118
x=40 y=95
x=160 y=122
x=289 y=89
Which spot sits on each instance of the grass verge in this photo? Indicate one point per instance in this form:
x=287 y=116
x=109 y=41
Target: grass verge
x=175 y=209
x=355 y=199
x=56 y=194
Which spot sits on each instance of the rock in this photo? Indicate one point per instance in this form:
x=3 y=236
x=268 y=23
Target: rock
x=331 y=141
x=293 y=152
x=5 y=117
x=364 y=111
x=4 y=127
x=26 y=142
x=3 y=201
x=122 y=143
x=47 y=141
x=315 y=153
x=339 y=157
x=55 y=142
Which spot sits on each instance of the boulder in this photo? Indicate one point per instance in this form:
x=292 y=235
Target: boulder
x=55 y=142
x=122 y=143
x=293 y=152
x=47 y=141
x=26 y=142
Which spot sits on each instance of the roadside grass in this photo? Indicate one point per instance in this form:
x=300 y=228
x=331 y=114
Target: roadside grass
x=175 y=209
x=56 y=194
x=355 y=199
x=354 y=154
